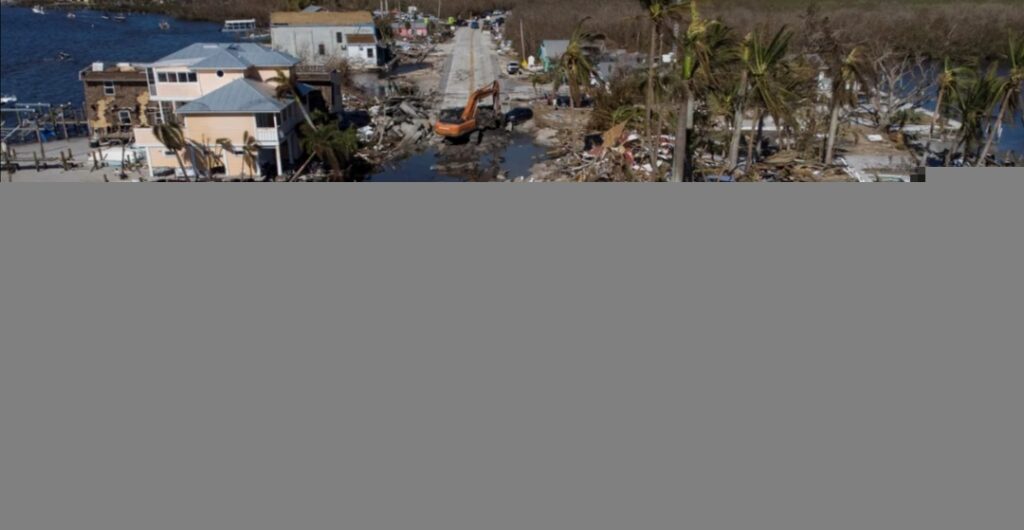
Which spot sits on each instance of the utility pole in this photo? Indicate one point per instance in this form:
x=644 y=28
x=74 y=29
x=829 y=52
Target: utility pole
x=522 y=38
x=439 y=9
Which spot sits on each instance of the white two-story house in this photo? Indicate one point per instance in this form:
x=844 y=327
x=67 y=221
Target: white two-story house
x=318 y=37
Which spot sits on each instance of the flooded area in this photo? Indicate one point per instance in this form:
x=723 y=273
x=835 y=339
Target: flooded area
x=497 y=159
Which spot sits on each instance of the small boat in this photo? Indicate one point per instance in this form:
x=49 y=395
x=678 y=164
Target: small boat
x=164 y=25
x=11 y=99
x=63 y=56
x=38 y=10
x=72 y=16
x=239 y=26
x=255 y=37
x=119 y=18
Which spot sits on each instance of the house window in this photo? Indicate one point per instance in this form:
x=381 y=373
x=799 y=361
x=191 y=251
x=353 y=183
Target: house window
x=108 y=88
x=264 y=121
x=124 y=117
x=322 y=49
x=162 y=77
x=369 y=53
x=340 y=36
x=192 y=77
x=172 y=77
x=185 y=77
x=151 y=81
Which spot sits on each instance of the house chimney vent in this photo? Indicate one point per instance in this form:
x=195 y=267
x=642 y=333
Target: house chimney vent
x=97 y=67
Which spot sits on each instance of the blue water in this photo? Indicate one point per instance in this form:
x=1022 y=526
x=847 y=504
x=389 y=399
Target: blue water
x=515 y=161
x=29 y=45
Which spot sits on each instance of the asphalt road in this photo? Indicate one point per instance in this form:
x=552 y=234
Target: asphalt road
x=473 y=63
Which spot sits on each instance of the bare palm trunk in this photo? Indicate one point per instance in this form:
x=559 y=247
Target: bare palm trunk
x=661 y=111
x=650 y=78
x=833 y=130
x=734 y=145
x=124 y=149
x=305 y=113
x=679 y=151
x=954 y=148
x=938 y=112
x=751 y=141
x=181 y=164
x=303 y=166
x=995 y=128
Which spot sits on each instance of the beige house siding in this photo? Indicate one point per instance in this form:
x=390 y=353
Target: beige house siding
x=208 y=80
x=210 y=127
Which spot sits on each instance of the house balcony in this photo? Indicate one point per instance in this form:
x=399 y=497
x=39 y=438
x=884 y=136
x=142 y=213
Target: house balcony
x=269 y=136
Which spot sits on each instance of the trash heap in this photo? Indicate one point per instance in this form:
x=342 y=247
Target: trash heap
x=397 y=125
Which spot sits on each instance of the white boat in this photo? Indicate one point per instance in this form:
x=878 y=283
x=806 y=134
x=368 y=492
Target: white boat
x=72 y=16
x=38 y=10
x=255 y=37
x=164 y=25
x=5 y=99
x=119 y=18
x=239 y=26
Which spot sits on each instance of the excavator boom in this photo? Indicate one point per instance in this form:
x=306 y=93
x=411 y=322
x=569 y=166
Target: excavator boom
x=455 y=123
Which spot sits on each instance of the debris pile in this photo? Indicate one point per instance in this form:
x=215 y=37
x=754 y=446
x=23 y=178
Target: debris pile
x=396 y=126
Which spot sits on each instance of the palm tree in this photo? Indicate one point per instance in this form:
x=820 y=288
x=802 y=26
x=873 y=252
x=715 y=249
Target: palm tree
x=973 y=101
x=946 y=81
x=701 y=49
x=171 y=135
x=288 y=88
x=849 y=74
x=763 y=90
x=574 y=67
x=659 y=13
x=331 y=145
x=250 y=150
x=1012 y=89
x=740 y=94
x=538 y=79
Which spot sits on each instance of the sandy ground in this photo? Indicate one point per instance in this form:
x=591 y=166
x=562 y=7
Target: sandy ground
x=80 y=149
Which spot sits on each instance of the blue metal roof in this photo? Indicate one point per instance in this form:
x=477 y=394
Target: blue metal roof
x=229 y=56
x=241 y=96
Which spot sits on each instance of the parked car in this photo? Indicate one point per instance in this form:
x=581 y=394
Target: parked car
x=474 y=25
x=512 y=68
x=518 y=115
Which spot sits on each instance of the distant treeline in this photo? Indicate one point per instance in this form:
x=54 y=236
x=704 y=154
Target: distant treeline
x=962 y=28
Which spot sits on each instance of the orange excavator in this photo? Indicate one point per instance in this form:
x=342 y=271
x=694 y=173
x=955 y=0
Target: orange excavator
x=459 y=122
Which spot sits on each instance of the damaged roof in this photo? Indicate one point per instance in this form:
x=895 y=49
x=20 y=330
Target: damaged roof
x=322 y=18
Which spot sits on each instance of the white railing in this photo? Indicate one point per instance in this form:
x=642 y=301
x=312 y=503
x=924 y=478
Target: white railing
x=267 y=135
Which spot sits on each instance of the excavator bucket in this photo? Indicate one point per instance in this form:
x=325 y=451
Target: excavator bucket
x=456 y=123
